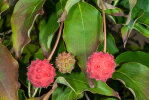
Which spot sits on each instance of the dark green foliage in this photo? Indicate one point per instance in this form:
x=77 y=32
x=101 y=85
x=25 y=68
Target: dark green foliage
x=26 y=36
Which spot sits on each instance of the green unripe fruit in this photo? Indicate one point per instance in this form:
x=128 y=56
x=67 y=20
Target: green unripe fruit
x=65 y=62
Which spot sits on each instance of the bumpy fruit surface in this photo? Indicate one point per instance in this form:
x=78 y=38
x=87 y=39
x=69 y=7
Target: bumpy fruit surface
x=101 y=66
x=65 y=62
x=41 y=73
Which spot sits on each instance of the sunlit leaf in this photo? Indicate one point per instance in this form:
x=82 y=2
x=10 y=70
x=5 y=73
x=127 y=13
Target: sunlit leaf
x=83 y=31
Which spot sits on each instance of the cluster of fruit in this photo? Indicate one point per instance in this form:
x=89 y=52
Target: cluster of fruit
x=41 y=73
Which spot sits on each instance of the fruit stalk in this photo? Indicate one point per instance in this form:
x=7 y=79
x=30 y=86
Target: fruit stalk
x=104 y=23
x=57 y=41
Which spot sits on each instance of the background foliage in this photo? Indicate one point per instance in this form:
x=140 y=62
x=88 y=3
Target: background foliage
x=29 y=28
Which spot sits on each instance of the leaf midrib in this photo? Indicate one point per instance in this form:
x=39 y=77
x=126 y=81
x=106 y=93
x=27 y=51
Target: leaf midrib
x=83 y=26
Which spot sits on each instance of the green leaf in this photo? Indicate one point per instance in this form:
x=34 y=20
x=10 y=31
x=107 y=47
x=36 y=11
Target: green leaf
x=34 y=99
x=110 y=99
x=65 y=5
x=129 y=56
x=23 y=74
x=136 y=12
x=132 y=4
x=23 y=17
x=144 y=19
x=143 y=30
x=83 y=31
x=135 y=77
x=143 y=4
x=60 y=6
x=4 y=5
x=47 y=31
x=70 y=3
x=21 y=94
x=111 y=46
x=38 y=55
x=65 y=11
x=139 y=13
x=115 y=12
x=28 y=52
x=60 y=48
x=9 y=84
x=101 y=97
x=110 y=9
x=65 y=94
x=135 y=6
x=78 y=83
x=125 y=31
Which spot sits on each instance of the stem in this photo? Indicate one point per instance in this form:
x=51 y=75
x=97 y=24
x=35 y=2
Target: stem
x=47 y=96
x=36 y=89
x=87 y=97
x=104 y=23
x=29 y=89
x=57 y=41
x=39 y=91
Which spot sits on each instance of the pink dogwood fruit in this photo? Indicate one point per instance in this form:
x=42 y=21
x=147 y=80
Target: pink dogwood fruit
x=41 y=73
x=101 y=66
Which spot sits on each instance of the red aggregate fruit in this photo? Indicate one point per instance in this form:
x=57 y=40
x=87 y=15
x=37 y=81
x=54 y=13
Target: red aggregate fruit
x=65 y=62
x=41 y=73
x=101 y=66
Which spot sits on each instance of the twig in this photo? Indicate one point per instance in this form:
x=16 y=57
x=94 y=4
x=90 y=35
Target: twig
x=104 y=23
x=57 y=41
x=46 y=97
